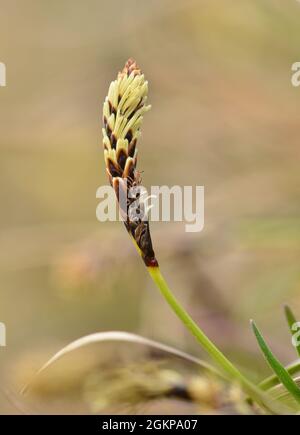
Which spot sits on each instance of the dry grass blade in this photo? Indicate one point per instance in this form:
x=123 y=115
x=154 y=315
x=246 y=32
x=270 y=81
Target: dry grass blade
x=279 y=392
x=100 y=337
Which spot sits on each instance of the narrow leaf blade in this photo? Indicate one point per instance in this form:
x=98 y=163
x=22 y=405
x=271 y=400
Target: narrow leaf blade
x=277 y=367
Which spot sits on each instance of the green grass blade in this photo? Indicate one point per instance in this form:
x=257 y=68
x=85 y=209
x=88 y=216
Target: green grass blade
x=282 y=374
x=291 y=319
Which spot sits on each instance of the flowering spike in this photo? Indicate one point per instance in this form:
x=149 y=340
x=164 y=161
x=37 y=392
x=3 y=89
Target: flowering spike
x=123 y=112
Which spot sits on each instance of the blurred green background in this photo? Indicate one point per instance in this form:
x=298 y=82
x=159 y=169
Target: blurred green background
x=224 y=115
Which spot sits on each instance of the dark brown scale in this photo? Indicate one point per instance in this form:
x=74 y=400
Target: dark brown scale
x=128 y=171
x=113 y=141
x=143 y=240
x=113 y=169
x=122 y=157
x=112 y=110
x=131 y=148
x=140 y=229
x=140 y=104
x=131 y=172
x=129 y=136
x=108 y=131
x=131 y=114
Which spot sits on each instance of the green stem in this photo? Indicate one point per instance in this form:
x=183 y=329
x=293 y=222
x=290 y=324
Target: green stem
x=232 y=372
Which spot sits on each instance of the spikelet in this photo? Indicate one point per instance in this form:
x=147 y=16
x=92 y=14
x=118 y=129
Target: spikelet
x=123 y=112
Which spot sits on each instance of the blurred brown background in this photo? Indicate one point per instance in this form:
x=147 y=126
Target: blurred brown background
x=224 y=115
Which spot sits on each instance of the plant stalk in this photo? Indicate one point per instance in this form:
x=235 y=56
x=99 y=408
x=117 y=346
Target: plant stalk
x=231 y=371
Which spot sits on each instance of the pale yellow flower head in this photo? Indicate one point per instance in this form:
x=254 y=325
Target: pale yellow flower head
x=123 y=112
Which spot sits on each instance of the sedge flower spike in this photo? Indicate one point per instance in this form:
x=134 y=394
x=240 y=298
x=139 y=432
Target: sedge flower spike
x=123 y=112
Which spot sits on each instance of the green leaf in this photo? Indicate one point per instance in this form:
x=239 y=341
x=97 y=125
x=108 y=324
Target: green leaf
x=282 y=374
x=291 y=319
